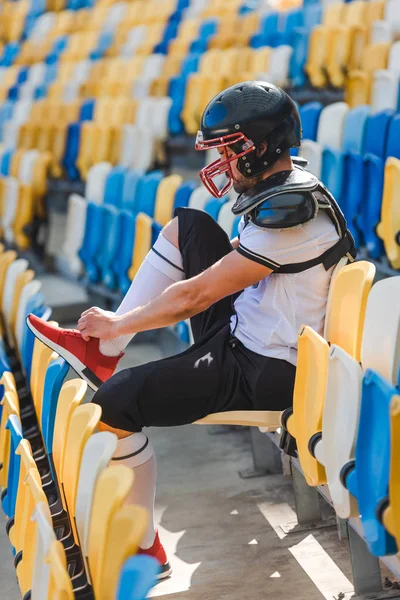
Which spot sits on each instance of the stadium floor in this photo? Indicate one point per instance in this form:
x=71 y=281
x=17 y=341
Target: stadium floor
x=222 y=533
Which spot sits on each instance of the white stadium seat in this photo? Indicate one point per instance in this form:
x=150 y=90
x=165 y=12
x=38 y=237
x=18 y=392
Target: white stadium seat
x=15 y=269
x=10 y=202
x=385 y=90
x=28 y=291
x=67 y=258
x=96 y=180
x=312 y=152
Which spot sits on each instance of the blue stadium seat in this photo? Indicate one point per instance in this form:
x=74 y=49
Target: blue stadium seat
x=92 y=240
x=309 y=114
x=367 y=478
x=10 y=53
x=267 y=34
x=55 y=377
x=6 y=162
x=9 y=498
x=312 y=15
x=87 y=110
x=332 y=172
x=28 y=339
x=289 y=21
x=109 y=245
x=207 y=30
x=129 y=190
x=298 y=59
x=138 y=576
x=72 y=150
x=376 y=133
x=156 y=229
x=393 y=138
x=213 y=207
x=235 y=228
x=123 y=260
x=147 y=192
x=177 y=90
x=114 y=186
x=6 y=110
x=183 y=194
x=183 y=333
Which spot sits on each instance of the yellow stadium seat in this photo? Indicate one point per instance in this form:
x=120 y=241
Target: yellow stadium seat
x=17 y=532
x=24 y=216
x=110 y=494
x=39 y=181
x=346 y=308
x=83 y=422
x=35 y=495
x=27 y=136
x=348 y=43
x=102 y=144
x=86 y=148
x=389 y=226
x=126 y=530
x=359 y=82
x=391 y=513
x=41 y=357
x=333 y=14
x=10 y=407
x=71 y=396
x=60 y=584
x=165 y=198
x=142 y=243
x=259 y=61
x=320 y=45
x=354 y=13
x=15 y=163
x=58 y=149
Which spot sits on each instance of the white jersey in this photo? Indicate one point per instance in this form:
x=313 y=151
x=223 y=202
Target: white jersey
x=270 y=314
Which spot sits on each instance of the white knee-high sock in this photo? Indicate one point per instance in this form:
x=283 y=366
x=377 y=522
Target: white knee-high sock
x=161 y=268
x=137 y=452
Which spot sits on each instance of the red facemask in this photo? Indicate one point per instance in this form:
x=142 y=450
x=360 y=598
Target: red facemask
x=221 y=166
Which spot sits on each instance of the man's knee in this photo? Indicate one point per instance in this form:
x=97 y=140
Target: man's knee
x=120 y=433
x=171 y=232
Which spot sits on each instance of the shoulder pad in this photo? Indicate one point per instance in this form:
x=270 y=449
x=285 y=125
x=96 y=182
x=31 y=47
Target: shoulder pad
x=283 y=182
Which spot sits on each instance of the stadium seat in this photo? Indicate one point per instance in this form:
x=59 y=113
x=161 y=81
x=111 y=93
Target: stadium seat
x=71 y=396
x=83 y=422
x=166 y=192
x=343 y=394
x=320 y=42
x=15 y=529
x=56 y=373
x=96 y=182
x=13 y=435
x=359 y=82
x=13 y=271
x=112 y=488
x=147 y=192
x=278 y=70
x=30 y=290
x=97 y=454
x=353 y=142
x=10 y=203
x=67 y=257
x=381 y=32
x=110 y=243
x=92 y=240
x=23 y=279
x=387 y=512
x=346 y=308
x=354 y=167
x=121 y=266
x=372 y=456
x=138 y=575
x=199 y=198
x=42 y=356
x=310 y=114
x=392 y=15
x=142 y=243
x=389 y=227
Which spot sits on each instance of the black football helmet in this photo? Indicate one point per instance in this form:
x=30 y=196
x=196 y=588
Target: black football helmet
x=241 y=117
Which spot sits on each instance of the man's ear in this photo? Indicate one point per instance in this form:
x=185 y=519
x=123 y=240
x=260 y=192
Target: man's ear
x=261 y=149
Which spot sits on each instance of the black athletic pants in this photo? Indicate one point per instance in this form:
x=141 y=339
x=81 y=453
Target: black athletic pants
x=216 y=374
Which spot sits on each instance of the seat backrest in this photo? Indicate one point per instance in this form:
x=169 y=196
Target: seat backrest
x=9 y=408
x=392 y=141
x=97 y=454
x=15 y=269
x=142 y=242
x=345 y=317
x=125 y=533
x=392 y=14
x=354 y=129
x=381 y=340
x=71 y=395
x=22 y=280
x=60 y=585
x=137 y=577
x=46 y=536
x=308 y=399
x=310 y=114
x=30 y=290
x=331 y=123
x=388 y=228
x=111 y=490
x=6 y=259
x=394 y=58
x=83 y=422
x=42 y=355
x=165 y=198
x=96 y=180
x=55 y=375
x=376 y=132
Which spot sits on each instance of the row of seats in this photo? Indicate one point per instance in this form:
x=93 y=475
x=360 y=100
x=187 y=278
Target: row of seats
x=345 y=419
x=71 y=533
x=125 y=205
x=356 y=154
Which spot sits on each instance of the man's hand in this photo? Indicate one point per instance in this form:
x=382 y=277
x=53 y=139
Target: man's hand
x=98 y=323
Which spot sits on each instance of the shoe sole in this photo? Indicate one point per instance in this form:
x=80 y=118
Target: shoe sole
x=80 y=369
x=166 y=571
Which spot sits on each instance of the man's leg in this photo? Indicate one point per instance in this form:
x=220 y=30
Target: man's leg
x=161 y=268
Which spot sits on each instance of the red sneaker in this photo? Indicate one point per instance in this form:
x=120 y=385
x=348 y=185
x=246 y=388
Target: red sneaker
x=84 y=357
x=157 y=550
